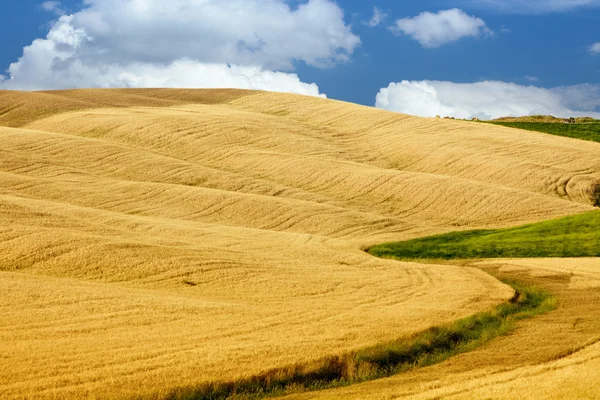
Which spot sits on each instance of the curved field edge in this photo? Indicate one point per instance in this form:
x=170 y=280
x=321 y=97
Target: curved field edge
x=429 y=347
x=573 y=236
x=555 y=355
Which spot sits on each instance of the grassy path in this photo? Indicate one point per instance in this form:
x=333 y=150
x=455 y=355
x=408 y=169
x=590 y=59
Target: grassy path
x=531 y=348
x=426 y=348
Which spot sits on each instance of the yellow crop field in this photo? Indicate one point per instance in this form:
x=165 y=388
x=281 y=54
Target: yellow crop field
x=555 y=356
x=157 y=239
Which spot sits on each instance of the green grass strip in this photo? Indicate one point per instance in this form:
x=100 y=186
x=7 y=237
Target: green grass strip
x=426 y=348
x=589 y=131
x=574 y=236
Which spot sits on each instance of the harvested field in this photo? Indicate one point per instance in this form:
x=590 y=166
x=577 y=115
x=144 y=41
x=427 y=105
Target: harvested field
x=155 y=239
x=554 y=356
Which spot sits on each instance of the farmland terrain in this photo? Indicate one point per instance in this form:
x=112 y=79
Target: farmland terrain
x=552 y=356
x=157 y=239
x=580 y=130
x=556 y=356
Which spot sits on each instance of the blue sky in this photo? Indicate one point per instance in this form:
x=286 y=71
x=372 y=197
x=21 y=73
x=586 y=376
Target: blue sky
x=465 y=58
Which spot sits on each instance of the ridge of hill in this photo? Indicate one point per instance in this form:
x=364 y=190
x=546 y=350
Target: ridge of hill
x=547 y=119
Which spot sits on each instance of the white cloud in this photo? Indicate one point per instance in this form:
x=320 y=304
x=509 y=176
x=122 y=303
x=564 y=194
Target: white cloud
x=488 y=99
x=53 y=7
x=584 y=97
x=532 y=78
x=535 y=6
x=182 y=73
x=435 y=30
x=192 y=43
x=595 y=48
x=377 y=18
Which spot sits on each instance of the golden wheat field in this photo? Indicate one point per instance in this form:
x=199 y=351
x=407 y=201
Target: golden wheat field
x=156 y=239
x=553 y=356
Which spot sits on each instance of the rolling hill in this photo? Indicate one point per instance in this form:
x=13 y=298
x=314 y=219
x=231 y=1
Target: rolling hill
x=156 y=239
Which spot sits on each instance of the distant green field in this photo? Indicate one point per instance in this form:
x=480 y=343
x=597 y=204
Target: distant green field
x=590 y=131
x=574 y=236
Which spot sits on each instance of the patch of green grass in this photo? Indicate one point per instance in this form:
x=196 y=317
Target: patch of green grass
x=426 y=348
x=574 y=236
x=587 y=131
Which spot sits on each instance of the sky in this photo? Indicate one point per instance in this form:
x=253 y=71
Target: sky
x=461 y=58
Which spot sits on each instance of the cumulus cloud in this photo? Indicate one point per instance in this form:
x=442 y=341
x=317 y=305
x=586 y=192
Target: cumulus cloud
x=532 y=78
x=488 y=99
x=53 y=7
x=182 y=73
x=377 y=18
x=434 y=30
x=534 y=6
x=595 y=48
x=207 y=43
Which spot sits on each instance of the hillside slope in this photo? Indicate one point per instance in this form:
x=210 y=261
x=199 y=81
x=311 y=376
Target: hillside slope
x=161 y=238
